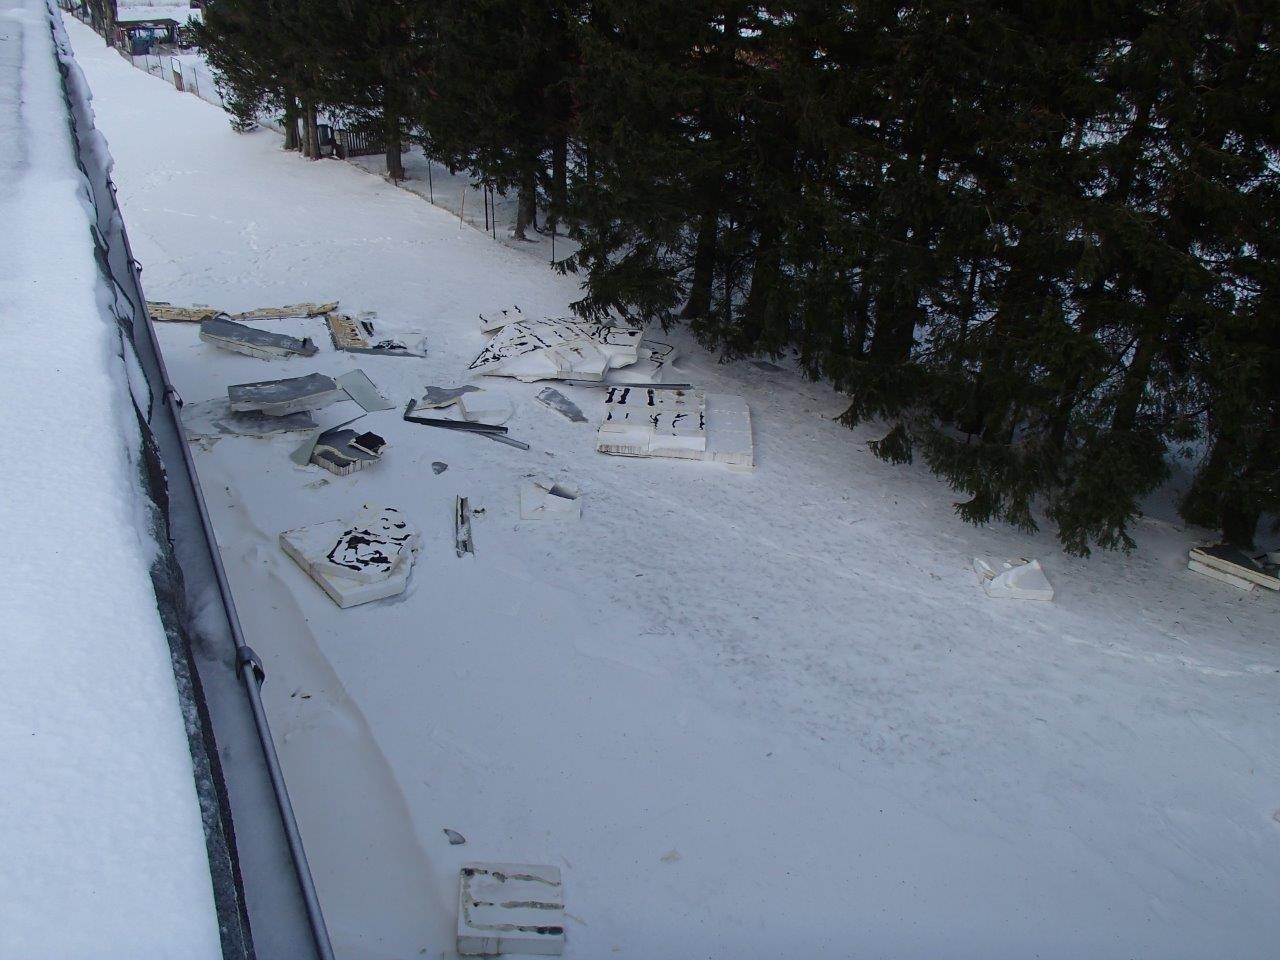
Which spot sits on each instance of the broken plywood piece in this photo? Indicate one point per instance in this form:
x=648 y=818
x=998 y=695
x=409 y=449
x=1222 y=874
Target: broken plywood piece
x=346 y=333
x=1019 y=579
x=361 y=389
x=280 y=397
x=491 y=321
x=542 y=498
x=367 y=558
x=344 y=451
x=252 y=342
x=292 y=310
x=357 y=336
x=1233 y=562
x=167 y=312
x=549 y=349
x=557 y=401
x=510 y=908
x=215 y=418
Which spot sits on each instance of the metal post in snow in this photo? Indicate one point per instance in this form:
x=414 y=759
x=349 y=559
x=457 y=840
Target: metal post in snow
x=431 y=190
x=462 y=206
x=485 y=195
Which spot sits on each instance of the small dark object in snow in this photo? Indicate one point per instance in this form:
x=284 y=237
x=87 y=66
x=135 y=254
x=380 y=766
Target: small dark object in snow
x=370 y=443
x=438 y=467
x=766 y=365
x=455 y=838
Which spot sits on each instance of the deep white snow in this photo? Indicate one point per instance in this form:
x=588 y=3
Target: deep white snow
x=747 y=715
x=100 y=833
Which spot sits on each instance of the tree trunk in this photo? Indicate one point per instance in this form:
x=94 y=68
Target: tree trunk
x=291 y=138
x=764 y=280
x=559 y=179
x=391 y=127
x=527 y=204
x=704 y=265
x=313 y=135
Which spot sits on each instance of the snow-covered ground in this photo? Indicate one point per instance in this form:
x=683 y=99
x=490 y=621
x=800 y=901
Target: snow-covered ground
x=747 y=715
x=100 y=830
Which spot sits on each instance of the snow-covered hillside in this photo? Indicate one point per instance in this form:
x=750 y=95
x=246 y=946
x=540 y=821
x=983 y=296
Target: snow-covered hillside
x=747 y=715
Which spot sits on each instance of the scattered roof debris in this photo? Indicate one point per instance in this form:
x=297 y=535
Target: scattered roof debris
x=361 y=389
x=645 y=422
x=455 y=838
x=357 y=561
x=215 y=418
x=550 y=349
x=1227 y=564
x=544 y=499
x=341 y=414
x=510 y=908
x=168 y=313
x=292 y=310
x=462 y=540
x=485 y=407
x=491 y=321
x=279 y=397
x=490 y=430
x=439 y=397
x=160 y=310
x=1019 y=579
x=357 y=336
x=557 y=401
x=438 y=467
x=344 y=451
x=252 y=342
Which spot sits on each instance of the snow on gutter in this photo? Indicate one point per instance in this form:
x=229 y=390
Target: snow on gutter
x=80 y=345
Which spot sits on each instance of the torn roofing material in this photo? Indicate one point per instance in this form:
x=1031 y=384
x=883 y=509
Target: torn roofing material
x=280 y=397
x=557 y=401
x=252 y=342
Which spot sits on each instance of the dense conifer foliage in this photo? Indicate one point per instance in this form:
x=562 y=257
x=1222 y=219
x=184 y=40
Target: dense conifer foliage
x=1038 y=241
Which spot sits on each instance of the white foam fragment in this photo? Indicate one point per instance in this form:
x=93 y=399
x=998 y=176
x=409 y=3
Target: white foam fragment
x=510 y=908
x=1013 y=579
x=366 y=558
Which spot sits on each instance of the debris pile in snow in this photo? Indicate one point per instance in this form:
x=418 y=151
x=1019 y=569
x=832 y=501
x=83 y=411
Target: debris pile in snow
x=510 y=908
x=1019 y=579
x=252 y=342
x=359 y=560
x=558 y=349
x=686 y=424
x=1227 y=564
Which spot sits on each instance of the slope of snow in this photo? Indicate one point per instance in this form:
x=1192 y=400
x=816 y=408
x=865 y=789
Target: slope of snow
x=747 y=715
x=103 y=848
